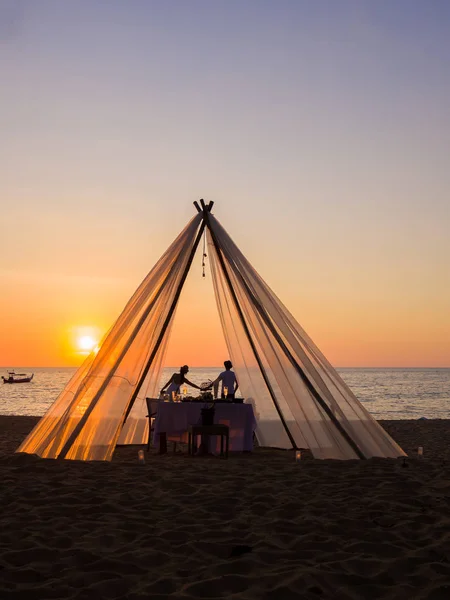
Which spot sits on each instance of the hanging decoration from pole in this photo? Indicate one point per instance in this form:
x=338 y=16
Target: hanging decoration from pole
x=205 y=208
x=204 y=255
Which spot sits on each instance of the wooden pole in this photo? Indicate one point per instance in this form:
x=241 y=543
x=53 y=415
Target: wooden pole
x=166 y=322
x=247 y=331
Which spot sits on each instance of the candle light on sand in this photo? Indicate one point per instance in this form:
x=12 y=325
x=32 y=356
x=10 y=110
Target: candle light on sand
x=141 y=457
x=298 y=455
x=420 y=451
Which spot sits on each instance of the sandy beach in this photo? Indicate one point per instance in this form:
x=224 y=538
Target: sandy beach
x=258 y=526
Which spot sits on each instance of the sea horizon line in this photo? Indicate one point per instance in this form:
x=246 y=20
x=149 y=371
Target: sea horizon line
x=384 y=368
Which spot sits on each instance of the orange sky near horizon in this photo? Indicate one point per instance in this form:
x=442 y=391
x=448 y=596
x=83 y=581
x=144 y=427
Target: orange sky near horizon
x=42 y=316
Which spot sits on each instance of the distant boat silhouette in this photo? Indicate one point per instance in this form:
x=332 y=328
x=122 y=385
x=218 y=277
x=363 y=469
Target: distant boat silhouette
x=17 y=377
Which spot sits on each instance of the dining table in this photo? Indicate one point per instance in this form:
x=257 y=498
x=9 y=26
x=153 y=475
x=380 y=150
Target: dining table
x=173 y=420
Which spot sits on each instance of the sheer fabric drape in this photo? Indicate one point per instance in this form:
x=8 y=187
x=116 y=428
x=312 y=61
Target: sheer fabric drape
x=104 y=384
x=308 y=422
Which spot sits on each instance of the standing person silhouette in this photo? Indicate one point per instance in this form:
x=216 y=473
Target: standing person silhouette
x=177 y=380
x=229 y=382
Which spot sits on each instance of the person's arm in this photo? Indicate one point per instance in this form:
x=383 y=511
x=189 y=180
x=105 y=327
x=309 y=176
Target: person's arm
x=167 y=385
x=192 y=384
x=236 y=385
x=212 y=384
x=216 y=385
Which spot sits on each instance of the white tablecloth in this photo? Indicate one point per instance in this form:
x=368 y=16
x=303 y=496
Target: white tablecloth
x=175 y=419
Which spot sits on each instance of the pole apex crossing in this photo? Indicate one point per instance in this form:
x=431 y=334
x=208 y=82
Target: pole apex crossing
x=205 y=207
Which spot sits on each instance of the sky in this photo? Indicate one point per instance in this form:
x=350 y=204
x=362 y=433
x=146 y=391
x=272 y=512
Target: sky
x=321 y=130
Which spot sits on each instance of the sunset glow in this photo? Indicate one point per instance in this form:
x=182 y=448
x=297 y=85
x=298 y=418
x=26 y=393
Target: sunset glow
x=86 y=343
x=79 y=341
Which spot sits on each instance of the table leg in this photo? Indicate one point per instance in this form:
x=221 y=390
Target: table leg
x=149 y=440
x=204 y=444
x=163 y=443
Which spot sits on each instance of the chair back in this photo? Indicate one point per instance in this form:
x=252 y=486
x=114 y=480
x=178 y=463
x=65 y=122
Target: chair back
x=152 y=406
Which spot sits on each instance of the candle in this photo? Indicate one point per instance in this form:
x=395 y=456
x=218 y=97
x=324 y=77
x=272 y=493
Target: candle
x=174 y=396
x=420 y=451
x=225 y=391
x=141 y=457
x=298 y=455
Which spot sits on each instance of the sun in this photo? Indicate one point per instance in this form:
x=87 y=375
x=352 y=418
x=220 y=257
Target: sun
x=86 y=343
x=84 y=340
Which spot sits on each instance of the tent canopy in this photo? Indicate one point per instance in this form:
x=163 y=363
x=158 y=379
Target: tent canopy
x=299 y=399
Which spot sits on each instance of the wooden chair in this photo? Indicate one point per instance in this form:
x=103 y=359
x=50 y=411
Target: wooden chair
x=152 y=409
x=207 y=430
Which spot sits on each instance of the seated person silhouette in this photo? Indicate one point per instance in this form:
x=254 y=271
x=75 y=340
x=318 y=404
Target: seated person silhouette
x=229 y=382
x=176 y=381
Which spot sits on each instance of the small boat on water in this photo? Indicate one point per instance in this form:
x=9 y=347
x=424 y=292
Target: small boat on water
x=17 y=377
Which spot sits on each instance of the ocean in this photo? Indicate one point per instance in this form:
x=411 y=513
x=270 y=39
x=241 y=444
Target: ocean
x=386 y=393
